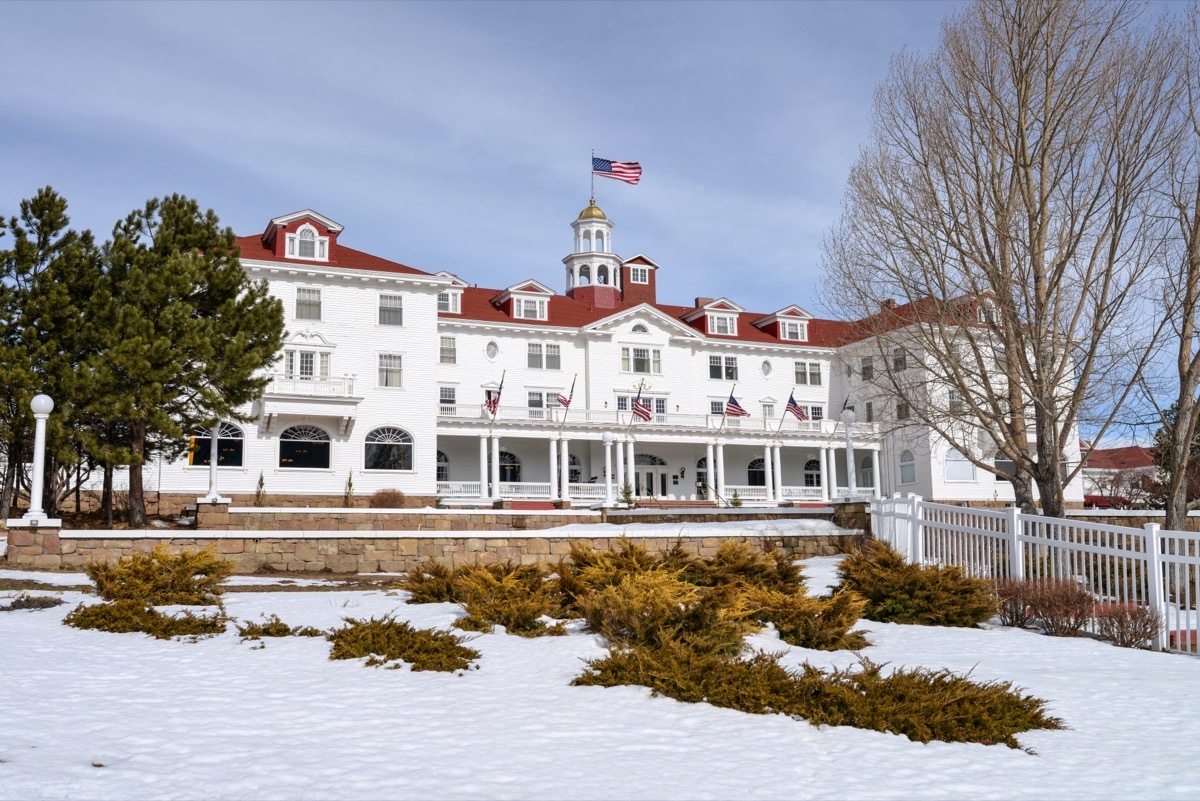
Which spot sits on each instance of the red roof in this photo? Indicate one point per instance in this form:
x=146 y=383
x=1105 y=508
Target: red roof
x=1126 y=458
x=253 y=248
x=566 y=312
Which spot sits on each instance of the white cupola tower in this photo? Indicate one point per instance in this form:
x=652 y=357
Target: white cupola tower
x=592 y=261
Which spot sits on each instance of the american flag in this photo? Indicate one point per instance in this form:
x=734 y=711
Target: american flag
x=628 y=171
x=565 y=400
x=734 y=409
x=640 y=409
x=796 y=409
x=493 y=402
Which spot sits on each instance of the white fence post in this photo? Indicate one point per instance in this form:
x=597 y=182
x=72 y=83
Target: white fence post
x=1155 y=581
x=916 y=544
x=1012 y=527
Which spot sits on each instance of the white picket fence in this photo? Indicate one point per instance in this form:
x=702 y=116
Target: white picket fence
x=1118 y=565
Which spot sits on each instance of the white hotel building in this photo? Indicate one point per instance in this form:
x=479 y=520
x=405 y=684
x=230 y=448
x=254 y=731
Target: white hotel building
x=386 y=369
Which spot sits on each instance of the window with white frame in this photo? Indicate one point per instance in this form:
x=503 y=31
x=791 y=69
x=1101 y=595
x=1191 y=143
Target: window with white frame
x=657 y=405
x=391 y=373
x=305 y=244
x=903 y=412
x=812 y=473
x=793 y=329
x=443 y=466
x=716 y=407
x=768 y=410
x=308 y=365
x=388 y=448
x=639 y=275
x=553 y=356
x=868 y=368
x=450 y=302
x=303 y=447
x=230 y=441
x=816 y=412
x=808 y=373
x=529 y=308
x=956 y=403
x=641 y=360
x=638 y=328
x=391 y=310
x=1004 y=466
x=447 y=399
x=448 y=350
x=723 y=367
x=870 y=411
x=908 y=468
x=899 y=359
x=534 y=355
x=308 y=303
x=958 y=467
x=537 y=405
x=544 y=355
x=725 y=324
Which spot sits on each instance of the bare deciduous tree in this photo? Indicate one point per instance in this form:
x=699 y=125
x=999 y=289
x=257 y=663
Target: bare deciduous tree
x=1006 y=199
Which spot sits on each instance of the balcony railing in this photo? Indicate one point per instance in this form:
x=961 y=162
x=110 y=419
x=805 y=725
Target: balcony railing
x=595 y=492
x=616 y=419
x=340 y=387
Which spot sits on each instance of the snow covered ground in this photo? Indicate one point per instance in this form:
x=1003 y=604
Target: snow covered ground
x=90 y=715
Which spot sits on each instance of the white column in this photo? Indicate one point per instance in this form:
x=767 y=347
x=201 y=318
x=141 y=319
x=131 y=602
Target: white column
x=495 y=468
x=769 y=471
x=830 y=467
x=721 y=471
x=710 y=476
x=214 y=456
x=620 y=466
x=483 y=468
x=777 y=460
x=630 y=465
x=565 y=467
x=608 y=476
x=824 y=463
x=851 y=478
x=554 y=468
x=875 y=471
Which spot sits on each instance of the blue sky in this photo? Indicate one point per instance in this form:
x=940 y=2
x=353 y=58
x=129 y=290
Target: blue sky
x=457 y=135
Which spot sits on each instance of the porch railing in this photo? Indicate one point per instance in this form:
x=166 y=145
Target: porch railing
x=339 y=387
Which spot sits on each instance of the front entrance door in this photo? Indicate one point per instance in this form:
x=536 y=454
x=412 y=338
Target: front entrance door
x=650 y=481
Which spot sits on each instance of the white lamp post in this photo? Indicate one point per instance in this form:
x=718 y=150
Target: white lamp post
x=41 y=405
x=848 y=421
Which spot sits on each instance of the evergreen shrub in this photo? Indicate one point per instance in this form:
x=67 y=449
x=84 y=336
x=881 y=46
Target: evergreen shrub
x=822 y=624
x=386 y=641
x=921 y=704
x=127 y=616
x=898 y=592
x=513 y=596
x=736 y=563
x=160 y=577
x=274 y=627
x=430 y=582
x=27 y=601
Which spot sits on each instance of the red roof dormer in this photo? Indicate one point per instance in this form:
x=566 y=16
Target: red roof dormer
x=303 y=236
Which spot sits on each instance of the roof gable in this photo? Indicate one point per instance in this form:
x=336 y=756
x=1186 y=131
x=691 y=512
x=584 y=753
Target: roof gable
x=306 y=214
x=646 y=312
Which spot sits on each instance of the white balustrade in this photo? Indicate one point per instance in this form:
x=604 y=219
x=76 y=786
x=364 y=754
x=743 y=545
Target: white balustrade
x=339 y=387
x=458 y=489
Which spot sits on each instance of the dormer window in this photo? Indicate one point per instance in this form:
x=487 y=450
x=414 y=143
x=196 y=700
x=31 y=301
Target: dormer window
x=725 y=324
x=305 y=244
x=450 y=302
x=529 y=308
x=639 y=275
x=793 y=330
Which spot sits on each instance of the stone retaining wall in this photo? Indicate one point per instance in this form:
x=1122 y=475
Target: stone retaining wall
x=376 y=552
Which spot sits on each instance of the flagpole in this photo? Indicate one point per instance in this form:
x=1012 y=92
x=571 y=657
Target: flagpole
x=592 y=173
x=563 y=424
x=791 y=395
x=632 y=416
x=492 y=425
x=725 y=411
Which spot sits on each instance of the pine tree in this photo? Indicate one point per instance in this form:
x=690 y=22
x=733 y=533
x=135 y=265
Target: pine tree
x=188 y=335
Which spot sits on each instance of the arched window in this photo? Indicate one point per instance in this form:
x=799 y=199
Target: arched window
x=601 y=275
x=648 y=460
x=510 y=467
x=585 y=275
x=308 y=244
x=756 y=473
x=304 y=446
x=812 y=473
x=600 y=241
x=587 y=241
x=388 y=448
x=443 y=467
x=230 y=440
x=958 y=468
x=702 y=477
x=640 y=329
x=908 y=468
x=574 y=469
x=1004 y=465
x=866 y=476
